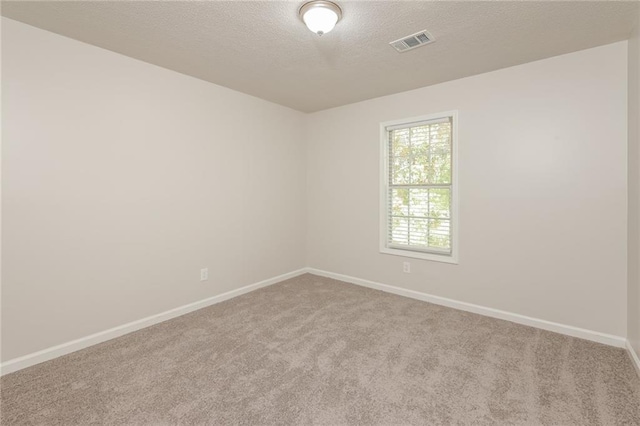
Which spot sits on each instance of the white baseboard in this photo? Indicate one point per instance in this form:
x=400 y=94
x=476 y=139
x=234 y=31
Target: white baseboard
x=84 y=342
x=634 y=357
x=569 y=330
x=93 y=339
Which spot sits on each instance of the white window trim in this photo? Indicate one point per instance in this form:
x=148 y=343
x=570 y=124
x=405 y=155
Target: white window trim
x=455 y=186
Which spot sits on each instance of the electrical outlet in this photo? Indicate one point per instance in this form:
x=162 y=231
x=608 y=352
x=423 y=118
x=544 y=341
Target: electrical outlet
x=204 y=274
x=406 y=267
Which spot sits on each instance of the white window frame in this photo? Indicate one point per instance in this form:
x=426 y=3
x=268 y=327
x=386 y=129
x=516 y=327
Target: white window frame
x=384 y=191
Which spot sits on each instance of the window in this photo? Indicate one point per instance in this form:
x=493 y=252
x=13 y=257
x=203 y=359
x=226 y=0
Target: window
x=419 y=188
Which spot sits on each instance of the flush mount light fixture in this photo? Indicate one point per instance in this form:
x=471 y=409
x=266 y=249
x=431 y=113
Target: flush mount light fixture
x=320 y=16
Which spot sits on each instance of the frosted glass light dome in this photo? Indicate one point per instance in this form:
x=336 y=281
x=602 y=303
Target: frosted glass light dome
x=320 y=16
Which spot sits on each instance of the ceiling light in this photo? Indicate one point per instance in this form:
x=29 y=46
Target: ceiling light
x=320 y=16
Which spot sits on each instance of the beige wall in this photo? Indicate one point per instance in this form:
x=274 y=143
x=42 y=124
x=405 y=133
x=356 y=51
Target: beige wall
x=121 y=180
x=543 y=185
x=633 y=253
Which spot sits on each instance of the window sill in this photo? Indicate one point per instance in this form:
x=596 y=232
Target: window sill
x=453 y=259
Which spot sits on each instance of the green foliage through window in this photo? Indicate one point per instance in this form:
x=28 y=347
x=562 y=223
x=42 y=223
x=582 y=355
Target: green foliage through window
x=420 y=185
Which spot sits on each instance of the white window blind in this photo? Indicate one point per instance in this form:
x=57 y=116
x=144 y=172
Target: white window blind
x=419 y=187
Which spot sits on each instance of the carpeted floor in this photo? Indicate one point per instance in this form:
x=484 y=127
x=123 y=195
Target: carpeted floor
x=312 y=350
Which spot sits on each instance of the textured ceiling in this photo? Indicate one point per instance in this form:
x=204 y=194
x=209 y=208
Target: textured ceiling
x=263 y=49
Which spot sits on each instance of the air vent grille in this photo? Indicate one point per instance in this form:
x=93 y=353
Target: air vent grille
x=411 y=42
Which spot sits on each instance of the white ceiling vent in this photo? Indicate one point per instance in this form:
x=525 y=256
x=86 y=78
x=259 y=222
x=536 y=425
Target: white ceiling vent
x=412 y=41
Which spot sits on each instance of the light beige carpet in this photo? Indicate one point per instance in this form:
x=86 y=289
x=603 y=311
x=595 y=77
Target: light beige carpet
x=312 y=350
